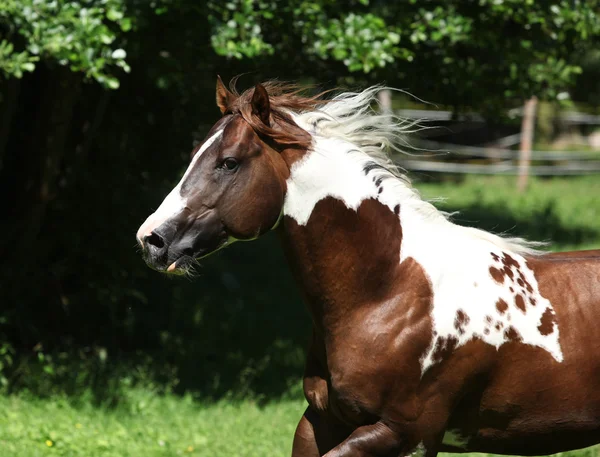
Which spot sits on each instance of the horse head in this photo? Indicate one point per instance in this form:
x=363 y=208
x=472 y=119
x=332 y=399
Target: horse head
x=235 y=184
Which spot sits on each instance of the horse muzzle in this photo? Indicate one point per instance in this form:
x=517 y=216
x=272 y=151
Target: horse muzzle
x=174 y=246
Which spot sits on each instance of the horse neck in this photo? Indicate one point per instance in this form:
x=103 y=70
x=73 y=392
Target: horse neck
x=343 y=227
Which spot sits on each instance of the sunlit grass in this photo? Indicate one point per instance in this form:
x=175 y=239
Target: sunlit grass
x=146 y=425
x=562 y=211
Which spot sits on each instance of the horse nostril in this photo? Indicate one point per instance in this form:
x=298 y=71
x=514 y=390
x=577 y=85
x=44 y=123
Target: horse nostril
x=155 y=240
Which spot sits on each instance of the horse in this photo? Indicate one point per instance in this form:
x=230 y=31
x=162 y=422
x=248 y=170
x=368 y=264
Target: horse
x=428 y=336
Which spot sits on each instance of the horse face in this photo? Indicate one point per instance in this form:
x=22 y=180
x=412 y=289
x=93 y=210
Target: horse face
x=232 y=190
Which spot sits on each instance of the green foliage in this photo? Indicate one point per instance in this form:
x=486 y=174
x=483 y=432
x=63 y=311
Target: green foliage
x=362 y=42
x=476 y=53
x=79 y=34
x=237 y=29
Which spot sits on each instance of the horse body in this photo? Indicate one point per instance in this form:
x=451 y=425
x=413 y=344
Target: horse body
x=529 y=404
x=427 y=336
x=372 y=304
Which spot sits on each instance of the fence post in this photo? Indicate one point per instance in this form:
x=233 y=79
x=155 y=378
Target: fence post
x=527 y=130
x=385 y=100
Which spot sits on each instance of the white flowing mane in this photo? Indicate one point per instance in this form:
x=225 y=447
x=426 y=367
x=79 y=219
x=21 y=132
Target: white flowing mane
x=371 y=136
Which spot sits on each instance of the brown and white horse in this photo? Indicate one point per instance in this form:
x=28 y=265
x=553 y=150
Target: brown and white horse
x=428 y=336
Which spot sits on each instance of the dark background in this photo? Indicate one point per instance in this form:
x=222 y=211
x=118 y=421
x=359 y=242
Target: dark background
x=82 y=166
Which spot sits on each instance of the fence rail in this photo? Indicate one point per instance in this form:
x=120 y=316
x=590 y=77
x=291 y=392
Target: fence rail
x=501 y=168
x=435 y=157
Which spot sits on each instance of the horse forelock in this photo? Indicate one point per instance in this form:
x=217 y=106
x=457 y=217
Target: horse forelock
x=284 y=98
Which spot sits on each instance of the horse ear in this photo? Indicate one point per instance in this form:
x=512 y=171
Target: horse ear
x=224 y=96
x=261 y=106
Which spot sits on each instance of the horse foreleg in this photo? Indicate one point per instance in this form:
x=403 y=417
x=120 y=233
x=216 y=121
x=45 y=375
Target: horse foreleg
x=377 y=440
x=316 y=435
x=314 y=381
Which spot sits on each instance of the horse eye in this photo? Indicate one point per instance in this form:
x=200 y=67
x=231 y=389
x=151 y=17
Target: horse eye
x=230 y=163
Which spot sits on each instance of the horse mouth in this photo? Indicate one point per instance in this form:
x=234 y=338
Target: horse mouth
x=178 y=267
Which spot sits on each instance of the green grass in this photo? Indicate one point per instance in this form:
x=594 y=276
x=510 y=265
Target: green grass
x=153 y=426
x=146 y=426
x=563 y=211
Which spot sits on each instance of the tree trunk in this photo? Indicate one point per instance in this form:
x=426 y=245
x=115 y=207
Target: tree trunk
x=527 y=130
x=385 y=101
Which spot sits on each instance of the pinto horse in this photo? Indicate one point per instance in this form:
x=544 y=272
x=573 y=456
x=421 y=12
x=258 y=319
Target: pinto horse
x=427 y=336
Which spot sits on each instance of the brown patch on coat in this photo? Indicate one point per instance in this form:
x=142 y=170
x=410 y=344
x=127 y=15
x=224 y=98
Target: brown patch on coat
x=444 y=347
x=511 y=334
x=495 y=257
x=508 y=261
x=501 y=306
x=461 y=321
x=508 y=272
x=547 y=322
x=327 y=258
x=520 y=302
x=497 y=275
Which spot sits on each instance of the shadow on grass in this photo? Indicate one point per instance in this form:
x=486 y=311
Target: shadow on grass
x=543 y=224
x=239 y=330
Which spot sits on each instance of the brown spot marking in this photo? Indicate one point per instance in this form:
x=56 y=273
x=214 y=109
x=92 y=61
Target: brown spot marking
x=460 y=321
x=444 y=347
x=512 y=290
x=508 y=261
x=532 y=301
x=512 y=335
x=520 y=302
x=525 y=282
x=498 y=325
x=501 y=306
x=520 y=281
x=547 y=321
x=486 y=331
x=397 y=210
x=508 y=272
x=489 y=319
x=495 y=257
x=497 y=275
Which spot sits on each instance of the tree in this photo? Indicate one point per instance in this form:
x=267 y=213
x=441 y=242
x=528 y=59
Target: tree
x=88 y=147
x=460 y=53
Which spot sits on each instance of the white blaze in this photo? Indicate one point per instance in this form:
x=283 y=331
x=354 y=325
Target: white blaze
x=174 y=202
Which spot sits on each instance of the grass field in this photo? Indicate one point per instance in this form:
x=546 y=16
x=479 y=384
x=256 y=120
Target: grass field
x=563 y=211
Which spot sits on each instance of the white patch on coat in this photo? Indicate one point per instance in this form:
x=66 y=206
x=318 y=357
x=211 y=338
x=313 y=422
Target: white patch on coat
x=456 y=259
x=174 y=202
x=455 y=439
x=458 y=266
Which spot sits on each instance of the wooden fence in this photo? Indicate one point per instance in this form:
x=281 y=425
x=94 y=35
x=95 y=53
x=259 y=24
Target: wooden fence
x=435 y=157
